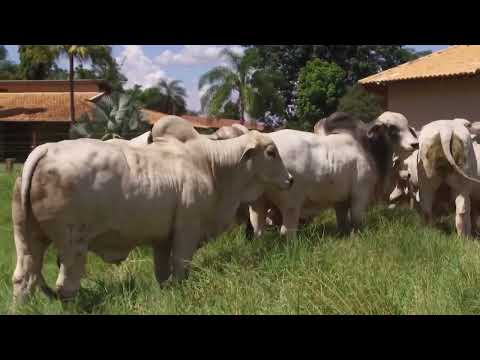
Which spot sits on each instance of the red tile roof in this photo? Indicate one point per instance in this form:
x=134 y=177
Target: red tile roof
x=41 y=86
x=55 y=107
x=453 y=61
x=48 y=106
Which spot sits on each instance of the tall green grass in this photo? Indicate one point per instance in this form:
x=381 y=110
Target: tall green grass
x=394 y=266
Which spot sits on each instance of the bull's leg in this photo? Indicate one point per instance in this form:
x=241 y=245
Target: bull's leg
x=258 y=215
x=412 y=202
x=161 y=260
x=474 y=217
x=185 y=243
x=72 y=269
x=358 y=208
x=427 y=188
x=341 y=212
x=30 y=250
x=28 y=270
x=290 y=216
x=243 y=216
x=462 y=214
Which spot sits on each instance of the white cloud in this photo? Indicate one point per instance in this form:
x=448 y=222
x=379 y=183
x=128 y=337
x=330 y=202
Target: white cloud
x=195 y=54
x=139 y=68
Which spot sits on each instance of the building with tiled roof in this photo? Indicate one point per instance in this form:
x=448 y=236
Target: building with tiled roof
x=441 y=85
x=33 y=112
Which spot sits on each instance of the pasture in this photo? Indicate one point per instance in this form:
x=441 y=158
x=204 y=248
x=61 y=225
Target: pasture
x=394 y=266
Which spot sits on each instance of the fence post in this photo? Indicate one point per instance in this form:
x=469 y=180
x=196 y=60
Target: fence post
x=9 y=162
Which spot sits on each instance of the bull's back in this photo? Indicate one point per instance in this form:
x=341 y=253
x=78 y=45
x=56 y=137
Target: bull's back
x=95 y=184
x=325 y=168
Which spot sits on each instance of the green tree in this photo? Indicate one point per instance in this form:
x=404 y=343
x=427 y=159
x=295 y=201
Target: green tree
x=174 y=96
x=115 y=116
x=255 y=88
x=58 y=73
x=36 y=61
x=8 y=69
x=357 y=61
x=153 y=99
x=3 y=53
x=230 y=111
x=103 y=66
x=320 y=85
x=361 y=104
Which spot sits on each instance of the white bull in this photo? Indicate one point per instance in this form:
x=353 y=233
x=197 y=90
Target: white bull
x=88 y=195
x=447 y=156
x=340 y=170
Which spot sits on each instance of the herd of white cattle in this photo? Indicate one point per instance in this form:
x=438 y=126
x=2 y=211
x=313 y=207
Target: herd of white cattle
x=174 y=189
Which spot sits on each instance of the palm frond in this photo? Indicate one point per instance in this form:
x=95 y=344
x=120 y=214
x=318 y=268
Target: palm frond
x=219 y=98
x=233 y=58
x=216 y=75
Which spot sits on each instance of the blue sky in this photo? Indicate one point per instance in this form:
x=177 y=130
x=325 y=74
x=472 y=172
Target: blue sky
x=146 y=64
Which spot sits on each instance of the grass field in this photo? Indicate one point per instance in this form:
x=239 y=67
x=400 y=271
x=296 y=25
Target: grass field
x=395 y=266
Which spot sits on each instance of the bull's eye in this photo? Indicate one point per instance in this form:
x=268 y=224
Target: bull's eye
x=271 y=153
x=392 y=130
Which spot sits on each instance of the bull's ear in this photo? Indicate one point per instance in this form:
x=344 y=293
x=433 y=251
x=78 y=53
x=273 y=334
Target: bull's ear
x=249 y=151
x=413 y=132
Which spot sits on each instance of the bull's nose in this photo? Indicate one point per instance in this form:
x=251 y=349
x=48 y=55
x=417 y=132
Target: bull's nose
x=414 y=145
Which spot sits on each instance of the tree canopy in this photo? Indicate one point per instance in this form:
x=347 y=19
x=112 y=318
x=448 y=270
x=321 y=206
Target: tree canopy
x=362 y=104
x=39 y=62
x=250 y=88
x=357 y=61
x=8 y=69
x=320 y=85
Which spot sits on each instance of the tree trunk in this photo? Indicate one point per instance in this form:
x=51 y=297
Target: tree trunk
x=242 y=109
x=72 y=100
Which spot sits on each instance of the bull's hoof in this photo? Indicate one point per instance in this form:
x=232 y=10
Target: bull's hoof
x=65 y=296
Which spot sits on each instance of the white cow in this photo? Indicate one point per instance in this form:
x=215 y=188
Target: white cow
x=88 y=195
x=447 y=156
x=339 y=170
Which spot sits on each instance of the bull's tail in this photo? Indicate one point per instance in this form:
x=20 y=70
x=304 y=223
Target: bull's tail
x=27 y=174
x=446 y=139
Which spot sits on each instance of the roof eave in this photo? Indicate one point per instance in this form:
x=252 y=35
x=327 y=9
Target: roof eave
x=444 y=76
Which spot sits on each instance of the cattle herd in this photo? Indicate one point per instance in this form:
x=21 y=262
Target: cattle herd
x=174 y=189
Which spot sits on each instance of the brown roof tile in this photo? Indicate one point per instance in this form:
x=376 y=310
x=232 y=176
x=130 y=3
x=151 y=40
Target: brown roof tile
x=49 y=106
x=453 y=61
x=55 y=107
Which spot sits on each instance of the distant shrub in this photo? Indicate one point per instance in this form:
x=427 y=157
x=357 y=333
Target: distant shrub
x=360 y=103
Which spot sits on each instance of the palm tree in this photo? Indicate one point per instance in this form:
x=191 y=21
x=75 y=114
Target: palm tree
x=255 y=88
x=81 y=53
x=174 y=95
